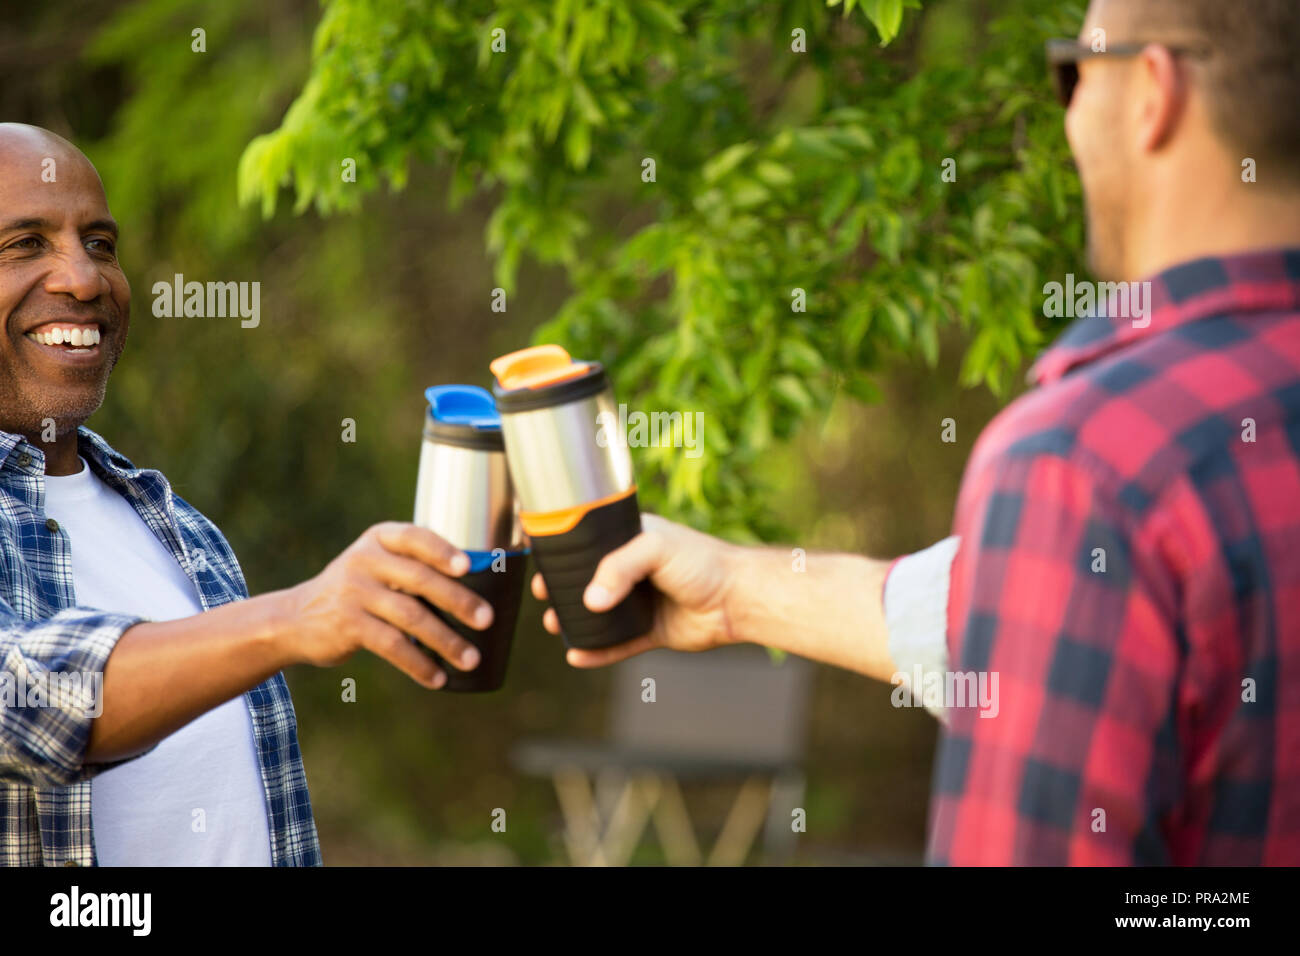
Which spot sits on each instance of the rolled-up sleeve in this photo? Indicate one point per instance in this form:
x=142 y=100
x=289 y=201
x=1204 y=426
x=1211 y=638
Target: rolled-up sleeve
x=916 y=614
x=51 y=684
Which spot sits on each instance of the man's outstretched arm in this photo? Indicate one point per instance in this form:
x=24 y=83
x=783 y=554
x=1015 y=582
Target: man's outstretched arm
x=826 y=607
x=158 y=676
x=162 y=675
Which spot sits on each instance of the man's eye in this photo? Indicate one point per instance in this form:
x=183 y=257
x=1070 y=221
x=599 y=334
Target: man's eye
x=26 y=242
x=106 y=246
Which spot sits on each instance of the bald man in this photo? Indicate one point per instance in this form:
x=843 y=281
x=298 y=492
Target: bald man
x=144 y=719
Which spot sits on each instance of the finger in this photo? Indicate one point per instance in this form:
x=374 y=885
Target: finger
x=423 y=545
x=414 y=577
x=604 y=656
x=539 y=587
x=551 y=621
x=411 y=617
x=384 y=640
x=622 y=568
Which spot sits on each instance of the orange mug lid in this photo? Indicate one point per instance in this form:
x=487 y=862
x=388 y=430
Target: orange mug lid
x=536 y=367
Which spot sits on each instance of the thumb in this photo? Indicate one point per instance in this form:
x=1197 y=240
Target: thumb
x=620 y=570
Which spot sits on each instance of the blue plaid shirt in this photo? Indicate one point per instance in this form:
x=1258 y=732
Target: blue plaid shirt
x=44 y=781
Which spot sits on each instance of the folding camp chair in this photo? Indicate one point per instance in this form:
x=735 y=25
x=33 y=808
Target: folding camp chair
x=725 y=716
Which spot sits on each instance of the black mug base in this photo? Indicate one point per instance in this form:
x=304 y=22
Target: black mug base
x=504 y=590
x=568 y=561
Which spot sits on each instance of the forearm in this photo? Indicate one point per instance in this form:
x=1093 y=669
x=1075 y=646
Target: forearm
x=162 y=675
x=826 y=607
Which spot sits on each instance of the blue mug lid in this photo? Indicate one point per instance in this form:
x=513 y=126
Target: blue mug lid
x=467 y=406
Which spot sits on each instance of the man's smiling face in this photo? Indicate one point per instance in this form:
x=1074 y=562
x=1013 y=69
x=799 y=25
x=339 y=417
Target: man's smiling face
x=64 y=301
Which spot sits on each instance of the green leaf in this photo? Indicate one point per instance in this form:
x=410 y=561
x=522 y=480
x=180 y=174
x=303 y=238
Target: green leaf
x=774 y=174
x=794 y=392
x=577 y=144
x=899 y=322
x=928 y=339
x=726 y=161
x=758 y=426
x=816 y=143
x=798 y=356
x=746 y=192
x=887 y=236
x=855 y=328
x=887 y=15
x=838 y=197
x=863 y=389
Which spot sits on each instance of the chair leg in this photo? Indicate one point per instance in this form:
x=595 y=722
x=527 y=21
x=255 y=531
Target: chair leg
x=627 y=823
x=581 y=821
x=673 y=824
x=608 y=785
x=650 y=797
x=742 y=824
x=779 y=839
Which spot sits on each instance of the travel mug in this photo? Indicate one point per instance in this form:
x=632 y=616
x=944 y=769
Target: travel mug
x=464 y=493
x=572 y=473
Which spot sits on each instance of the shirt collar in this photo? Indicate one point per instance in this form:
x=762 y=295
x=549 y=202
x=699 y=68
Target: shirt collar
x=1225 y=285
x=98 y=453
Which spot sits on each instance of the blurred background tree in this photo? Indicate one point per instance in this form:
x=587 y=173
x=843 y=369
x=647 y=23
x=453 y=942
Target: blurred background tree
x=790 y=206
x=774 y=171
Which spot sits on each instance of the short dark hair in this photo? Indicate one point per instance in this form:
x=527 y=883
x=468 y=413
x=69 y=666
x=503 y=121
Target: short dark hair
x=1253 y=75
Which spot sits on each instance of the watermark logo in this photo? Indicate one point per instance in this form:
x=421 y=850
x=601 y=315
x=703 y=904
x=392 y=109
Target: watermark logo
x=211 y=300
x=1115 y=300
x=946 y=689
x=657 y=429
x=133 y=910
x=74 y=690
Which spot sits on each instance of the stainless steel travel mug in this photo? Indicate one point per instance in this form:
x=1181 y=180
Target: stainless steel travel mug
x=573 y=476
x=464 y=493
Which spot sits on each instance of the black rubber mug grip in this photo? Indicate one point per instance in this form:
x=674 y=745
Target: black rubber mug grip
x=567 y=562
x=504 y=590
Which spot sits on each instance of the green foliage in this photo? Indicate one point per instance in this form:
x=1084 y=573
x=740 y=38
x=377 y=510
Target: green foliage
x=774 y=171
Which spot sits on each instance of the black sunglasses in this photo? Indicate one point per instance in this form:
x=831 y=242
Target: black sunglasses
x=1063 y=57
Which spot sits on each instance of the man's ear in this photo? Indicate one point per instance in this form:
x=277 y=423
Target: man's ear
x=1160 y=93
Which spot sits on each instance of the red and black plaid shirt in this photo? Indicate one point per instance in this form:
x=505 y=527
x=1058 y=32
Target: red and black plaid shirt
x=1147 y=713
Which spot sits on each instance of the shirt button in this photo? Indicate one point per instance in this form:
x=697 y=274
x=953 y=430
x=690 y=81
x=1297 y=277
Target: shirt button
x=24 y=460
x=71 y=863
x=51 y=524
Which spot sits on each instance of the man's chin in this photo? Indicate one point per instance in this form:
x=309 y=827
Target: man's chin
x=53 y=418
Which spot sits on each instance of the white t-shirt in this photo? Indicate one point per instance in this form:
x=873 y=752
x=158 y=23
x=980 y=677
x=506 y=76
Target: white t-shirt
x=145 y=812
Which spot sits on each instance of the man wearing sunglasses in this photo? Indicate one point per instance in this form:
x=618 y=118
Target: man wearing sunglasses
x=1127 y=537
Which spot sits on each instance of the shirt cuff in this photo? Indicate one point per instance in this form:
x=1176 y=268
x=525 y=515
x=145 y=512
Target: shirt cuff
x=57 y=666
x=916 y=615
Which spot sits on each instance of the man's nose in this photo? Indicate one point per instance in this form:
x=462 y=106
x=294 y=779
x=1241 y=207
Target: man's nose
x=76 y=274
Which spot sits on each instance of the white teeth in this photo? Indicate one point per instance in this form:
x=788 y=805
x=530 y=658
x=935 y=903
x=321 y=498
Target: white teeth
x=77 y=338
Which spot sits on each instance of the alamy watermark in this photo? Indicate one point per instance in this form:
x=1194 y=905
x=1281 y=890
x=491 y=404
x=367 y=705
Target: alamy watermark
x=656 y=429
x=212 y=300
x=946 y=689
x=74 y=690
x=130 y=910
x=1115 y=300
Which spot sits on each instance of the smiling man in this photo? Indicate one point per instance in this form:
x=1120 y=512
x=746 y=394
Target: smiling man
x=191 y=756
